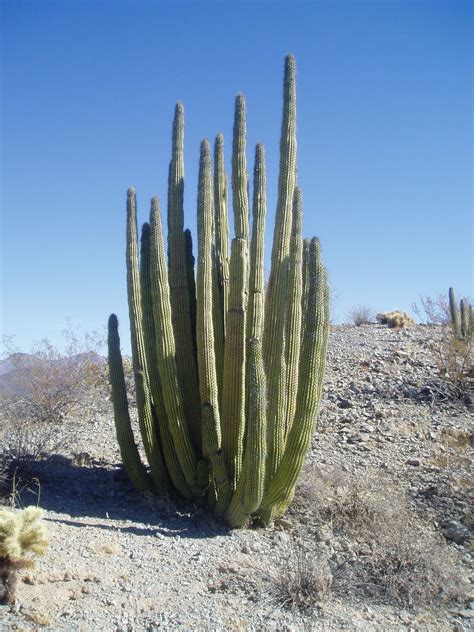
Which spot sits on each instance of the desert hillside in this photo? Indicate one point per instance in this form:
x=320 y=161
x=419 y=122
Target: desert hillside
x=377 y=537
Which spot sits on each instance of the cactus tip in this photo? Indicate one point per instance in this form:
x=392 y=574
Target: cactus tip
x=113 y=321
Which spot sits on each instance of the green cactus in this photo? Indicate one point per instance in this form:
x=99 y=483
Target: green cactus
x=20 y=533
x=228 y=379
x=461 y=316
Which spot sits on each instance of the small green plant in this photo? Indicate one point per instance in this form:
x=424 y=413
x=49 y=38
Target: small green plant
x=462 y=316
x=21 y=533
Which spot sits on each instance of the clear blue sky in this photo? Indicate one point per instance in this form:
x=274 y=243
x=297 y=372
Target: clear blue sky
x=384 y=131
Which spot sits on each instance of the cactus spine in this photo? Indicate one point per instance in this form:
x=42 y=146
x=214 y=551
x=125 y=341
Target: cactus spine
x=228 y=379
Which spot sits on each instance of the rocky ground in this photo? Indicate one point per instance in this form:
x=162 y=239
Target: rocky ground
x=378 y=536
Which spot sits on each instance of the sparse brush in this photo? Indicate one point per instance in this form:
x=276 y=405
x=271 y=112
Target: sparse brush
x=299 y=581
x=360 y=315
x=20 y=533
x=395 y=319
x=396 y=556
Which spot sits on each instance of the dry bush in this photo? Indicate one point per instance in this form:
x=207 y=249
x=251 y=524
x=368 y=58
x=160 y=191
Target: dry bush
x=454 y=357
x=433 y=311
x=360 y=315
x=298 y=581
x=395 y=319
x=41 y=390
x=395 y=556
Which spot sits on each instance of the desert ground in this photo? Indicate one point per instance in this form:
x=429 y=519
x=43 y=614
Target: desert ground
x=378 y=537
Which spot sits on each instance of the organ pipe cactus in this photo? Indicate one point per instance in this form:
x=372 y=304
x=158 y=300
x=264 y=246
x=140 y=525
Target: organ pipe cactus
x=461 y=316
x=228 y=376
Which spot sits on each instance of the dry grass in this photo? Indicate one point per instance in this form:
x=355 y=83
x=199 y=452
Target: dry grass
x=360 y=315
x=299 y=580
x=394 y=555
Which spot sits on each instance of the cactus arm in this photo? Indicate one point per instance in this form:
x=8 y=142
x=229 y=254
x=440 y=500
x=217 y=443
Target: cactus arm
x=239 y=172
x=233 y=390
x=145 y=416
x=313 y=356
x=188 y=240
x=128 y=448
x=277 y=295
x=160 y=421
x=221 y=224
x=211 y=430
x=250 y=487
x=255 y=318
x=178 y=283
x=293 y=322
x=453 y=308
x=166 y=350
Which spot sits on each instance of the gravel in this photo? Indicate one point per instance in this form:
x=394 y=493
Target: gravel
x=119 y=561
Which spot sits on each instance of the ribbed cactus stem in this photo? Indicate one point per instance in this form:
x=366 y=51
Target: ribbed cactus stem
x=166 y=352
x=221 y=226
x=274 y=340
x=240 y=201
x=455 y=317
x=188 y=241
x=304 y=297
x=250 y=487
x=293 y=319
x=169 y=453
x=255 y=318
x=128 y=448
x=233 y=391
x=144 y=405
x=464 y=313
x=208 y=386
x=313 y=354
x=178 y=282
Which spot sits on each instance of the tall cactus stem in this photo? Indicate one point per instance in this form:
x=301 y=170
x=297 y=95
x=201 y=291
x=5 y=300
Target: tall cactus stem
x=293 y=321
x=233 y=391
x=274 y=343
x=455 y=317
x=250 y=487
x=313 y=355
x=188 y=241
x=221 y=225
x=255 y=318
x=166 y=351
x=208 y=386
x=145 y=417
x=128 y=448
x=178 y=283
x=240 y=201
x=160 y=421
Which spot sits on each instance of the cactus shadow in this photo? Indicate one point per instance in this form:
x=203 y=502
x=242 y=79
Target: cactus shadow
x=102 y=492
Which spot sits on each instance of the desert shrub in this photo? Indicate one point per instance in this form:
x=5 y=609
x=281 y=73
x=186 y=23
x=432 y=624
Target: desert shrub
x=454 y=357
x=395 y=319
x=432 y=311
x=41 y=389
x=360 y=315
x=299 y=580
x=395 y=555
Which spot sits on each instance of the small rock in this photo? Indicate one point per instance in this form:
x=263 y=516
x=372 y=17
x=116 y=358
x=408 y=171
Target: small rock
x=413 y=462
x=344 y=403
x=455 y=532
